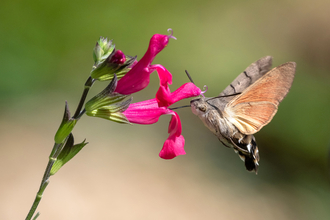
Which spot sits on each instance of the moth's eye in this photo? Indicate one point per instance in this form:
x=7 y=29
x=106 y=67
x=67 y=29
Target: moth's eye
x=202 y=108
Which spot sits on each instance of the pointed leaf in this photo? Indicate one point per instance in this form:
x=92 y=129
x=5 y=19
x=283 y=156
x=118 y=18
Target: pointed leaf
x=67 y=154
x=64 y=130
x=67 y=113
x=65 y=151
x=66 y=126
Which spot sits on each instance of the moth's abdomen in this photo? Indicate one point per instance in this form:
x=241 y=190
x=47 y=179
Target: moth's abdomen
x=248 y=151
x=251 y=162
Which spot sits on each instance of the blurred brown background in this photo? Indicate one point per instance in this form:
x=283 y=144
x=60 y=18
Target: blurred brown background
x=46 y=55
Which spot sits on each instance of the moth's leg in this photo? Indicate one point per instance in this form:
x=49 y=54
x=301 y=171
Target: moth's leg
x=223 y=143
x=239 y=148
x=245 y=142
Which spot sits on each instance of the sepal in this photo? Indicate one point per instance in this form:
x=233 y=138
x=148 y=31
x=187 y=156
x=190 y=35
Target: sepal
x=68 y=152
x=112 y=112
x=109 y=104
x=106 y=97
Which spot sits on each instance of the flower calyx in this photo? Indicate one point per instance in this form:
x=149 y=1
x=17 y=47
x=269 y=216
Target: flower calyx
x=109 y=104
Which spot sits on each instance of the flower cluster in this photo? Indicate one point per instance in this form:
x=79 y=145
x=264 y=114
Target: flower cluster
x=132 y=77
x=127 y=77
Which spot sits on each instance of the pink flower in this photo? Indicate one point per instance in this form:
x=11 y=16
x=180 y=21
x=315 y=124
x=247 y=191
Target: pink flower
x=149 y=111
x=139 y=76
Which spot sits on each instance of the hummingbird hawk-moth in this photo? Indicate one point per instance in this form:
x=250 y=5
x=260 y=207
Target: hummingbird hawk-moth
x=245 y=106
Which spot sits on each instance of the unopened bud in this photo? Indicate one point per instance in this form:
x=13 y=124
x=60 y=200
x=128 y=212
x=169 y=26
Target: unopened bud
x=116 y=63
x=102 y=50
x=118 y=57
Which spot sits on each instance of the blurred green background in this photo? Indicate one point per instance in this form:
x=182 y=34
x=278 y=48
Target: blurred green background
x=46 y=56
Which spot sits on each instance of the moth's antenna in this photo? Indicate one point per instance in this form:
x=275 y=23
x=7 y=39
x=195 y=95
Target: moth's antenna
x=184 y=106
x=189 y=77
x=205 y=87
x=223 y=96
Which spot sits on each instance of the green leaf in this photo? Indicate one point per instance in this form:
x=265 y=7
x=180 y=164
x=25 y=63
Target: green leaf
x=67 y=153
x=66 y=126
x=64 y=130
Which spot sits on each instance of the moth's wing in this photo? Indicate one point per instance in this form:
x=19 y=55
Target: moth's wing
x=249 y=118
x=257 y=105
x=251 y=74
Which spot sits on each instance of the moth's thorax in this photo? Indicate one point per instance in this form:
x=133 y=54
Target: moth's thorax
x=212 y=117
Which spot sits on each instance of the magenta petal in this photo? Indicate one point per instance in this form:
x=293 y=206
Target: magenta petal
x=163 y=95
x=146 y=112
x=173 y=146
x=135 y=80
x=165 y=77
x=175 y=127
x=157 y=43
x=187 y=90
x=139 y=76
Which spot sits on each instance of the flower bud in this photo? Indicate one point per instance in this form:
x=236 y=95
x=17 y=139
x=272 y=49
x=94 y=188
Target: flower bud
x=116 y=63
x=102 y=50
x=118 y=57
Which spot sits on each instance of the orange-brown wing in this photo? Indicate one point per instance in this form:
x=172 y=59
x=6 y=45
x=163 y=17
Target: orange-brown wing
x=257 y=105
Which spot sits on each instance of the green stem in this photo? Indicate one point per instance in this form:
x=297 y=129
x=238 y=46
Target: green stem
x=81 y=114
x=90 y=81
x=56 y=151
x=44 y=181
